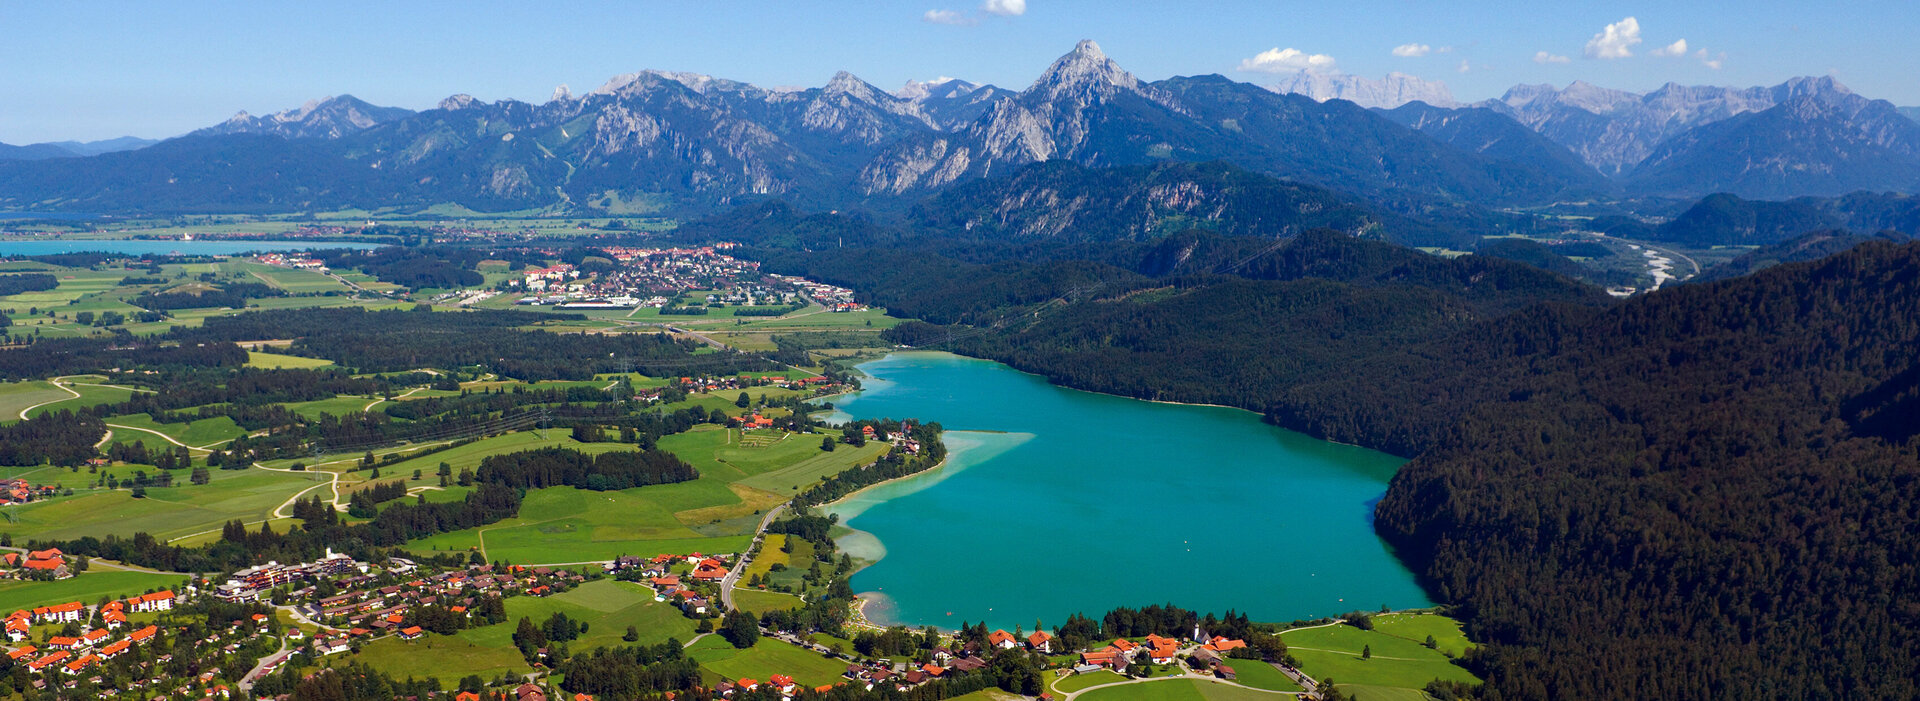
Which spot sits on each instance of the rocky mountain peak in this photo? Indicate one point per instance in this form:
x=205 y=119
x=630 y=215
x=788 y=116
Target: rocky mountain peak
x=1085 y=69
x=561 y=93
x=458 y=102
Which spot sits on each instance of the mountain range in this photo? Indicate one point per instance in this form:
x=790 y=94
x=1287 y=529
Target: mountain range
x=71 y=149
x=684 y=143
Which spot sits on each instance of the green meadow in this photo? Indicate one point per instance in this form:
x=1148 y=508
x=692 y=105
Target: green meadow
x=1336 y=652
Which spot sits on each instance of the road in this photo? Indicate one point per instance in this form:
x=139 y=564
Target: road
x=740 y=566
x=260 y=668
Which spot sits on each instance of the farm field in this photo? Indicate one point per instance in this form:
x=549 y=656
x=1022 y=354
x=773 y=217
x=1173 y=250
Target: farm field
x=605 y=605
x=15 y=397
x=1447 y=636
x=1072 y=683
x=197 y=434
x=446 y=658
x=86 y=587
x=1335 y=651
x=715 y=513
x=1177 y=690
x=766 y=658
x=757 y=602
x=1260 y=675
x=166 y=512
x=275 y=361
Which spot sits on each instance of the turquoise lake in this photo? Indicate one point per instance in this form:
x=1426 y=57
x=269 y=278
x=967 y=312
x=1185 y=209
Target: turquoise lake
x=1055 y=501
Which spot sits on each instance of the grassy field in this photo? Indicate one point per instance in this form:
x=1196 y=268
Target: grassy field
x=1446 y=632
x=86 y=587
x=337 y=406
x=277 y=361
x=1335 y=652
x=765 y=659
x=757 y=602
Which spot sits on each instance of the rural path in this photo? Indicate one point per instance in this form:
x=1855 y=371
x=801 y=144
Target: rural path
x=104 y=439
x=740 y=566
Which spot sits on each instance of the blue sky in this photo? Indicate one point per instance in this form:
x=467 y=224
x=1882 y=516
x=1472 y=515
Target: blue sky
x=90 y=70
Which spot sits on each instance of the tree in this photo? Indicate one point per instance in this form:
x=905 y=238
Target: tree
x=740 y=628
x=633 y=634
x=201 y=476
x=1366 y=652
x=139 y=492
x=367 y=460
x=826 y=444
x=744 y=401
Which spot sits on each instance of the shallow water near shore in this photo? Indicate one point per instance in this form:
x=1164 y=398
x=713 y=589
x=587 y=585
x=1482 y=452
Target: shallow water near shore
x=1055 y=501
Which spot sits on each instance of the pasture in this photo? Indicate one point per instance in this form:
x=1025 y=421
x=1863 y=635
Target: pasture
x=1336 y=652
x=86 y=587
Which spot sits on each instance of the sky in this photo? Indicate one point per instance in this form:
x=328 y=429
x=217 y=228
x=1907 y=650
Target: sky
x=93 y=70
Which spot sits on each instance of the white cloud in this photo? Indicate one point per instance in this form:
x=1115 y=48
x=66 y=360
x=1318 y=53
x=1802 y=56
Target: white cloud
x=948 y=17
x=1005 y=8
x=1544 y=57
x=1714 y=63
x=1463 y=66
x=1412 y=50
x=1675 y=49
x=1288 y=60
x=1616 y=40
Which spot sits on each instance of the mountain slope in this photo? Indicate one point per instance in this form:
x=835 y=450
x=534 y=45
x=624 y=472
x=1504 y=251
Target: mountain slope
x=1489 y=133
x=1822 y=143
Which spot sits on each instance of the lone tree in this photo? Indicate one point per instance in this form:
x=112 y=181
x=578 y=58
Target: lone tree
x=743 y=402
x=1366 y=652
x=826 y=444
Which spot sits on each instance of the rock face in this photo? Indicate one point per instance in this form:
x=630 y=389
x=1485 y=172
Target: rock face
x=1392 y=91
x=328 y=118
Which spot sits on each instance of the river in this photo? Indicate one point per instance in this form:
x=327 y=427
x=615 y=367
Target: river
x=1055 y=501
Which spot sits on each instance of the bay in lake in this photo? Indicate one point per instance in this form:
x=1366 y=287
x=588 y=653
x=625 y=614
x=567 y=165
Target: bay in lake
x=138 y=247
x=1056 y=501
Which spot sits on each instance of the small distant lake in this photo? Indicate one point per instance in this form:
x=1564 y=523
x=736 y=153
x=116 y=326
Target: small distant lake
x=137 y=247
x=1056 y=501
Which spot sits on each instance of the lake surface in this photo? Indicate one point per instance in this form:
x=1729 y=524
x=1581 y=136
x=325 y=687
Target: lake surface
x=135 y=247
x=1056 y=501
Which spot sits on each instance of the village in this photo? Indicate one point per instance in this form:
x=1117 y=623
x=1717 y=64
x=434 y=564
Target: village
x=672 y=278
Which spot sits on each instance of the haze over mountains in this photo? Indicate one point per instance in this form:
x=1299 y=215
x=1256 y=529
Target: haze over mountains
x=681 y=142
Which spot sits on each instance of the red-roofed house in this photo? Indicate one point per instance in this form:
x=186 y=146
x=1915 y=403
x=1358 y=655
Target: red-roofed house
x=410 y=632
x=48 y=554
x=1002 y=639
x=157 y=601
x=21 y=652
x=782 y=682
x=1039 y=641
